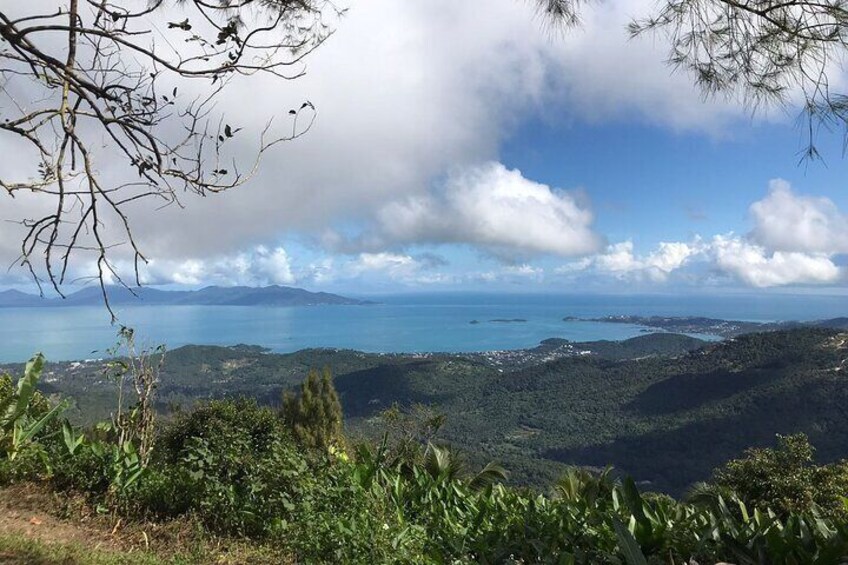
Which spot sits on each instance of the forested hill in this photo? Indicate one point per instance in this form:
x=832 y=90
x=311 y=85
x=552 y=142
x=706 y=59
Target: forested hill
x=665 y=408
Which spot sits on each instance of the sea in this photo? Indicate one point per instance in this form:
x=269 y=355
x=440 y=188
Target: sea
x=443 y=322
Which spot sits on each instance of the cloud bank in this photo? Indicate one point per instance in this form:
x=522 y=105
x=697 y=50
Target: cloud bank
x=795 y=240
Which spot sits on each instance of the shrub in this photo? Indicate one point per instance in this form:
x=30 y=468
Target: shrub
x=234 y=466
x=786 y=479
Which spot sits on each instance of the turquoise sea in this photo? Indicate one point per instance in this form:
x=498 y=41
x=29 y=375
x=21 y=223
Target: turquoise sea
x=398 y=323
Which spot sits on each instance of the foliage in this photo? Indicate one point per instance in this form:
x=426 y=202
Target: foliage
x=25 y=416
x=667 y=419
x=238 y=469
x=785 y=479
x=315 y=416
x=769 y=51
x=235 y=467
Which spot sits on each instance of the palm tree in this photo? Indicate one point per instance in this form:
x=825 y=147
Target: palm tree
x=445 y=464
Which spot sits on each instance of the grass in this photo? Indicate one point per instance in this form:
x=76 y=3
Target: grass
x=19 y=549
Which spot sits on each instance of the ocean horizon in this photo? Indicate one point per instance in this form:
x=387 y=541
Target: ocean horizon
x=400 y=323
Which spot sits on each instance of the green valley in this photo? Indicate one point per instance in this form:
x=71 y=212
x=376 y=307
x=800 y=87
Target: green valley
x=663 y=408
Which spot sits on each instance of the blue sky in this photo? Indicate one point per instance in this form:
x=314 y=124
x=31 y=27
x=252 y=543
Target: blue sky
x=652 y=184
x=462 y=146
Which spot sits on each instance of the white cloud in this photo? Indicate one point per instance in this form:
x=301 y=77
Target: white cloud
x=393 y=264
x=619 y=260
x=257 y=267
x=785 y=221
x=402 y=107
x=492 y=208
x=753 y=265
x=670 y=256
x=794 y=241
x=377 y=268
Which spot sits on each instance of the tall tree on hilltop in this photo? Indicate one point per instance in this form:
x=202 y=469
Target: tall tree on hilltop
x=315 y=416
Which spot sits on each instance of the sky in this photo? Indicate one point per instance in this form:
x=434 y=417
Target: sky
x=468 y=146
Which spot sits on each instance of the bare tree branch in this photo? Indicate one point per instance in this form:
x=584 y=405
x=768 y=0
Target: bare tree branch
x=111 y=92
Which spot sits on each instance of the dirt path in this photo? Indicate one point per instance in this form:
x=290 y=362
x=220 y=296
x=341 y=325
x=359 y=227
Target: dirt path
x=31 y=511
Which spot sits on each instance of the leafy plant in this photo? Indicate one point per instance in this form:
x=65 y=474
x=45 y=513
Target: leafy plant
x=23 y=414
x=786 y=479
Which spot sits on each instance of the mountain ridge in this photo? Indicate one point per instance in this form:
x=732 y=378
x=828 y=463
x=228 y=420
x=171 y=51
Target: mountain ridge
x=272 y=295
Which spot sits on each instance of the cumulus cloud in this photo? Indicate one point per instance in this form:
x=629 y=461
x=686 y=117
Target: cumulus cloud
x=492 y=208
x=257 y=267
x=401 y=106
x=794 y=240
x=620 y=260
x=384 y=267
x=786 y=221
x=753 y=265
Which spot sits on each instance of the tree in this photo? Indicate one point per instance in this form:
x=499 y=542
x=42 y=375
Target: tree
x=786 y=479
x=445 y=464
x=94 y=92
x=139 y=369
x=315 y=416
x=765 y=51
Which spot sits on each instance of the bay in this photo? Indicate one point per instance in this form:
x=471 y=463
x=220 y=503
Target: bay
x=398 y=323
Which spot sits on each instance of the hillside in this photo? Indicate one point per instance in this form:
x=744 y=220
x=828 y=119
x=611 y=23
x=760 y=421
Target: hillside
x=210 y=296
x=664 y=408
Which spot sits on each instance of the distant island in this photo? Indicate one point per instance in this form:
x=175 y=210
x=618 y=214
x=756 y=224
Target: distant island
x=502 y=321
x=210 y=296
x=712 y=326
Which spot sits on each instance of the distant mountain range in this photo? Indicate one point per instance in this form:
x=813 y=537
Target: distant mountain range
x=209 y=296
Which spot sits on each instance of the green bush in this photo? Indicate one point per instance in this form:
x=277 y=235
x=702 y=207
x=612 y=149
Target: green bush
x=219 y=423
x=86 y=471
x=236 y=468
x=786 y=479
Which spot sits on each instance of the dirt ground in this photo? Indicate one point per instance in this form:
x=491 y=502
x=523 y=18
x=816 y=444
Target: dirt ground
x=31 y=511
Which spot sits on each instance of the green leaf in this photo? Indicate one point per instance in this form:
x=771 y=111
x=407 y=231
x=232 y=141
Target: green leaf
x=27 y=384
x=627 y=543
x=634 y=499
